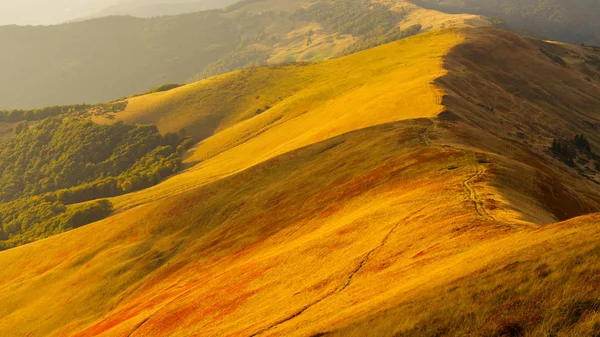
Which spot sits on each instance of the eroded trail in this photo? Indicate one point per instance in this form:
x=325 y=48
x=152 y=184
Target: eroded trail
x=468 y=183
x=345 y=284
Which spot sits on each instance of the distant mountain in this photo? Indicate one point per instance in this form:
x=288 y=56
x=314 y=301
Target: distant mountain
x=563 y=20
x=106 y=58
x=150 y=8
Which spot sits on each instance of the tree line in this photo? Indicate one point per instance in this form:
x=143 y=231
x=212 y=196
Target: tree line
x=29 y=219
x=18 y=115
x=49 y=169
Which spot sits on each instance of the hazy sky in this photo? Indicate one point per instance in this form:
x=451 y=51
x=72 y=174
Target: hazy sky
x=48 y=11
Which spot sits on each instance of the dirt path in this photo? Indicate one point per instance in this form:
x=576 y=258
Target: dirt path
x=344 y=285
x=469 y=181
x=468 y=185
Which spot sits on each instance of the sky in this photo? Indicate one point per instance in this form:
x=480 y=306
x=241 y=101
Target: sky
x=45 y=12
x=50 y=12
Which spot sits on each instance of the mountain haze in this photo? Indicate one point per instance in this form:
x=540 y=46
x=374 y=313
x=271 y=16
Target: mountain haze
x=38 y=12
x=106 y=58
x=152 y=8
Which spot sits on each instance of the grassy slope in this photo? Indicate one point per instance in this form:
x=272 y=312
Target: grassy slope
x=530 y=100
x=337 y=222
x=309 y=103
x=219 y=102
x=543 y=281
x=304 y=233
x=227 y=99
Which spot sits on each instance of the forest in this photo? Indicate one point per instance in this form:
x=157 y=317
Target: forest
x=52 y=169
x=82 y=110
x=355 y=17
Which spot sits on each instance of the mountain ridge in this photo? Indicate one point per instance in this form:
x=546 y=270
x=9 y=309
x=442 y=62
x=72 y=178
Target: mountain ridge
x=362 y=210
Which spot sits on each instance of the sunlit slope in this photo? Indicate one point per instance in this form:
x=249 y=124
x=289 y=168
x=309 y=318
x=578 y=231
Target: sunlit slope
x=372 y=77
x=431 y=19
x=544 y=282
x=308 y=103
x=323 y=233
x=308 y=242
x=216 y=103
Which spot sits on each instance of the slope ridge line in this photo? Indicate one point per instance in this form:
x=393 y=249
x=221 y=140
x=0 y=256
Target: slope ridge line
x=468 y=182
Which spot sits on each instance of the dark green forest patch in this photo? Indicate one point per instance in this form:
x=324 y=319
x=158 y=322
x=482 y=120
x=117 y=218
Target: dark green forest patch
x=51 y=170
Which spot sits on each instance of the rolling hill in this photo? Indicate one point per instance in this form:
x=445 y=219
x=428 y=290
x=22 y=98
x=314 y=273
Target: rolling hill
x=106 y=58
x=410 y=189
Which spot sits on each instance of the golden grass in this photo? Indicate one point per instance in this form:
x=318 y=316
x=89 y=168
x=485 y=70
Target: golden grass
x=310 y=241
x=512 y=104
x=344 y=209
x=365 y=196
x=324 y=46
x=545 y=283
x=432 y=20
x=309 y=103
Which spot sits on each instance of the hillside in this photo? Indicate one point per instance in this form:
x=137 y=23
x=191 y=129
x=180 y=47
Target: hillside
x=102 y=59
x=562 y=20
x=307 y=103
x=408 y=190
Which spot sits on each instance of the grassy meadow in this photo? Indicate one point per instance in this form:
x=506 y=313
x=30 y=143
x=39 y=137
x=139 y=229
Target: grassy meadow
x=385 y=193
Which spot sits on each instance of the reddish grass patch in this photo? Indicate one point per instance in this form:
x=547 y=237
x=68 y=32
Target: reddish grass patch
x=330 y=212
x=106 y=324
x=343 y=231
